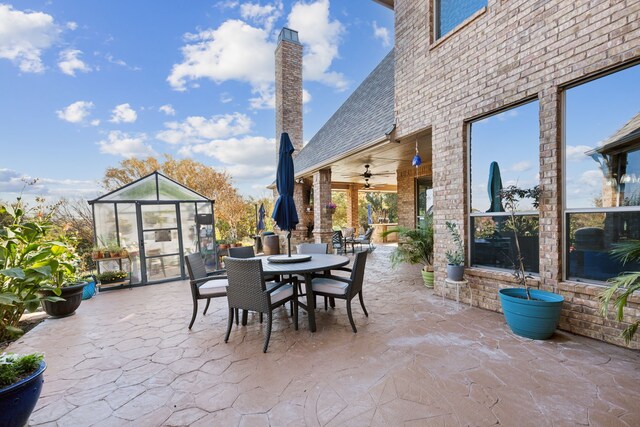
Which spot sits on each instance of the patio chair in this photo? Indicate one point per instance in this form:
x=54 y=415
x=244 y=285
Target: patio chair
x=247 y=290
x=337 y=242
x=344 y=288
x=314 y=248
x=204 y=285
x=365 y=239
x=348 y=236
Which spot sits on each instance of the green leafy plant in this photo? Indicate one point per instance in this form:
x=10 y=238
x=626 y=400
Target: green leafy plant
x=415 y=245
x=511 y=197
x=31 y=260
x=14 y=367
x=455 y=256
x=623 y=286
x=112 y=276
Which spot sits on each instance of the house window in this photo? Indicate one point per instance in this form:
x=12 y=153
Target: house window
x=504 y=150
x=424 y=200
x=602 y=174
x=450 y=13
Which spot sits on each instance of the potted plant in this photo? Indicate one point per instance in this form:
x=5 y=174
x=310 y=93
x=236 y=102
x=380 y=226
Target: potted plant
x=29 y=259
x=531 y=313
x=415 y=246
x=222 y=244
x=66 y=285
x=331 y=208
x=114 y=250
x=96 y=252
x=623 y=286
x=21 y=379
x=455 y=257
x=109 y=277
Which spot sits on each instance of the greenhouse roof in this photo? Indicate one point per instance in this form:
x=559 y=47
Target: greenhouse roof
x=153 y=187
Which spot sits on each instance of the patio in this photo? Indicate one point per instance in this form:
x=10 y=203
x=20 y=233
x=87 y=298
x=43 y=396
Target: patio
x=127 y=358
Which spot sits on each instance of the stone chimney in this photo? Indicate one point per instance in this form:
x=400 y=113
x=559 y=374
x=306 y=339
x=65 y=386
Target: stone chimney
x=289 y=88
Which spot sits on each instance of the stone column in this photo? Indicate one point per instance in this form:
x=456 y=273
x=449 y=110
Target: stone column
x=322 y=219
x=352 y=207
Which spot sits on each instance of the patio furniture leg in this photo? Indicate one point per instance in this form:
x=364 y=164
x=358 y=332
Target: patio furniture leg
x=195 y=312
x=260 y=317
x=245 y=317
x=237 y=316
x=295 y=314
x=311 y=303
x=353 y=325
x=206 y=307
x=268 y=334
x=325 y=303
x=229 y=324
x=291 y=307
x=332 y=302
x=362 y=304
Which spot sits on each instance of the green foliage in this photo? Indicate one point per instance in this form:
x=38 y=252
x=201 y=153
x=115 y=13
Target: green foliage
x=112 y=276
x=455 y=256
x=415 y=245
x=623 y=286
x=31 y=260
x=14 y=367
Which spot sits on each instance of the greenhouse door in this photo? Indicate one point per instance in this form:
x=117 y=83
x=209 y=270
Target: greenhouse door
x=160 y=241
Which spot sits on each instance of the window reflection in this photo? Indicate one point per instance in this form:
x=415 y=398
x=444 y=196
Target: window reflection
x=602 y=173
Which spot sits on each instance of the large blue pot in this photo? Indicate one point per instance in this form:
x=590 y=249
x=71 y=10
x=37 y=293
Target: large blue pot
x=18 y=400
x=536 y=318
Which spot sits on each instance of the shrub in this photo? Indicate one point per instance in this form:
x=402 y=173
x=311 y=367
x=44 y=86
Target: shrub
x=14 y=367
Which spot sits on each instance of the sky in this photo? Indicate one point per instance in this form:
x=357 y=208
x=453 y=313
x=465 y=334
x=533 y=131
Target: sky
x=85 y=85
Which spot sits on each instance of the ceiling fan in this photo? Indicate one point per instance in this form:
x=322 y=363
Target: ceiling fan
x=367 y=185
x=367 y=174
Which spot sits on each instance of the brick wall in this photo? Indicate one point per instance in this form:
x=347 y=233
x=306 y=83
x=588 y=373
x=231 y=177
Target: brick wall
x=506 y=53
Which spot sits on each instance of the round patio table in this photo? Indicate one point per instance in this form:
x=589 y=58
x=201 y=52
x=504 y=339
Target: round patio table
x=318 y=262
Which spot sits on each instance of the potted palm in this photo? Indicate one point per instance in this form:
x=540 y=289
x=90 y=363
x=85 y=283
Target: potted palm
x=415 y=246
x=21 y=378
x=455 y=257
x=531 y=313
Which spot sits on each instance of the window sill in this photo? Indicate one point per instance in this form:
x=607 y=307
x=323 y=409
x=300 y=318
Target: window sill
x=457 y=29
x=499 y=274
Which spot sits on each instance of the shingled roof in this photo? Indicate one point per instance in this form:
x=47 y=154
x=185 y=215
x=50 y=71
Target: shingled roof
x=363 y=118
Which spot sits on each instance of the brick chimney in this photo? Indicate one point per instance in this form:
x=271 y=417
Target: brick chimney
x=289 y=88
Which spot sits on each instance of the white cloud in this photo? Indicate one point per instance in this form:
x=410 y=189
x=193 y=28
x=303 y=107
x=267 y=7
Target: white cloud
x=24 y=36
x=576 y=153
x=76 y=112
x=265 y=16
x=321 y=36
x=266 y=97
x=95 y=122
x=123 y=113
x=122 y=144
x=592 y=178
x=69 y=62
x=120 y=62
x=167 y=109
x=521 y=166
x=197 y=129
x=13 y=183
x=225 y=97
x=239 y=155
x=306 y=96
x=233 y=51
x=381 y=33
x=71 y=25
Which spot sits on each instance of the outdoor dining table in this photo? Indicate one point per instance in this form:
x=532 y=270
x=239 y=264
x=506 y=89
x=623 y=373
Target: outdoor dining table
x=318 y=262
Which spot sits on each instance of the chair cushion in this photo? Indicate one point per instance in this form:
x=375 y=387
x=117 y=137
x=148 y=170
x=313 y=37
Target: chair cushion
x=329 y=286
x=282 y=293
x=214 y=288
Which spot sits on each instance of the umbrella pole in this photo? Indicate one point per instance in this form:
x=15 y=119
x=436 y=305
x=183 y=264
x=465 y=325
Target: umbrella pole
x=289 y=243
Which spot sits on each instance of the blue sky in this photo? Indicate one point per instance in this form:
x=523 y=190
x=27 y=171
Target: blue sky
x=88 y=84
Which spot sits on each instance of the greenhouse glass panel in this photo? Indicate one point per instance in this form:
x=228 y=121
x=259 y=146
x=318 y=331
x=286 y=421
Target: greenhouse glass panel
x=169 y=190
x=189 y=228
x=128 y=229
x=163 y=268
x=159 y=216
x=144 y=189
x=105 y=222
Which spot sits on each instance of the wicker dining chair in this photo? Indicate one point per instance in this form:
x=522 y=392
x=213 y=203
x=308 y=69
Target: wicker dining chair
x=204 y=285
x=337 y=242
x=345 y=288
x=313 y=248
x=247 y=290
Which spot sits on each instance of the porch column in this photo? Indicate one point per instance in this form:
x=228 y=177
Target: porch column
x=322 y=219
x=352 y=207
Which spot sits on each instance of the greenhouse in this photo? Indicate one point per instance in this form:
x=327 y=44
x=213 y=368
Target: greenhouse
x=147 y=226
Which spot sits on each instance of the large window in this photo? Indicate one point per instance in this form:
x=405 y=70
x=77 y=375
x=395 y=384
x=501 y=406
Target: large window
x=450 y=13
x=504 y=150
x=602 y=173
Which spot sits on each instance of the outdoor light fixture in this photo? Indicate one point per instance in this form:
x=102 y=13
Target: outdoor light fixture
x=417 y=161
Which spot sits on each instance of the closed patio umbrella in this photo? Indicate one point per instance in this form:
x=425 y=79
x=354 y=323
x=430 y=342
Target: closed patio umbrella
x=284 y=212
x=494 y=187
x=261 y=213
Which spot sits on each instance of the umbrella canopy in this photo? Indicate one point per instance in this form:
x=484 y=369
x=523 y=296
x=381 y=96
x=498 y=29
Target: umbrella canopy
x=494 y=187
x=369 y=218
x=284 y=212
x=261 y=213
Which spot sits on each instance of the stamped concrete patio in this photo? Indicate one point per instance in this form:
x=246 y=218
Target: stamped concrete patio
x=127 y=358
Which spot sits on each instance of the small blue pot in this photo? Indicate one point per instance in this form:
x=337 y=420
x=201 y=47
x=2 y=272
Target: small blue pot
x=18 y=400
x=536 y=318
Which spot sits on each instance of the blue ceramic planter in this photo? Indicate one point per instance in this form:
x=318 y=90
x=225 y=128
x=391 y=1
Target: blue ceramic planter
x=18 y=400
x=536 y=318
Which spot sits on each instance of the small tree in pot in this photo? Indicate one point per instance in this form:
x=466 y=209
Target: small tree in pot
x=415 y=246
x=531 y=313
x=455 y=257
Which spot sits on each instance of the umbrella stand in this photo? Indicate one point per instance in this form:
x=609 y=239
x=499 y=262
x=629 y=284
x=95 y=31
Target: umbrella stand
x=289 y=243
